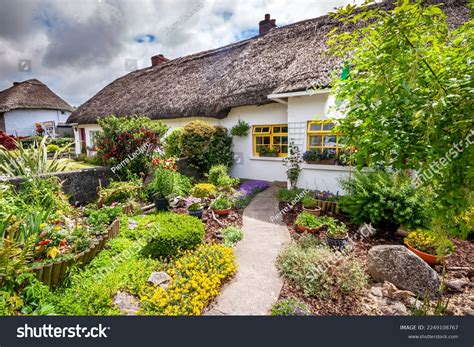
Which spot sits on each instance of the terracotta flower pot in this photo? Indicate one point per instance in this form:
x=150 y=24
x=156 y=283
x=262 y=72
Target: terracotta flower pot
x=222 y=212
x=429 y=258
x=307 y=230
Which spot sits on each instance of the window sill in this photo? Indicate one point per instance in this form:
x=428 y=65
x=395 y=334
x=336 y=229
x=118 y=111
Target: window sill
x=306 y=166
x=267 y=158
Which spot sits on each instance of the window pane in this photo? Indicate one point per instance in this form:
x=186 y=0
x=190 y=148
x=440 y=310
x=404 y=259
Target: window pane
x=266 y=140
x=276 y=140
x=284 y=129
x=328 y=126
x=330 y=141
x=265 y=129
x=284 y=149
x=315 y=140
x=284 y=140
x=258 y=140
x=258 y=130
x=276 y=130
x=315 y=127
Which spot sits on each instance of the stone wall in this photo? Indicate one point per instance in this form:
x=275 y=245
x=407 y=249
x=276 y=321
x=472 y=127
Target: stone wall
x=81 y=185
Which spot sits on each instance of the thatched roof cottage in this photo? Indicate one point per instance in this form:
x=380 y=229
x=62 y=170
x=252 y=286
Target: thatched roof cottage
x=277 y=82
x=29 y=102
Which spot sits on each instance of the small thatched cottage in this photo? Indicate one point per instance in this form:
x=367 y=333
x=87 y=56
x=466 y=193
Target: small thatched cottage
x=277 y=82
x=29 y=102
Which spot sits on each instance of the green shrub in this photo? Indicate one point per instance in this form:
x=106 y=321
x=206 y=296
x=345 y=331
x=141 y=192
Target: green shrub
x=128 y=137
x=218 y=176
x=287 y=195
x=173 y=232
x=204 y=190
x=122 y=192
x=319 y=272
x=206 y=145
x=172 y=144
x=232 y=235
x=102 y=217
x=240 y=129
x=385 y=199
x=221 y=203
x=168 y=184
x=289 y=307
x=52 y=148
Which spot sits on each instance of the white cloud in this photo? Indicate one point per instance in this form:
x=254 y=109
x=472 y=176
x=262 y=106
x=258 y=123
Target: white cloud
x=78 y=47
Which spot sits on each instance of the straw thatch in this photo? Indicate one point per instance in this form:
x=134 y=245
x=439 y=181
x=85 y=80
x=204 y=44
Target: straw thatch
x=210 y=83
x=31 y=94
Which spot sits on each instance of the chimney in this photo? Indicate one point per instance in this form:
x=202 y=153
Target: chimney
x=266 y=25
x=158 y=59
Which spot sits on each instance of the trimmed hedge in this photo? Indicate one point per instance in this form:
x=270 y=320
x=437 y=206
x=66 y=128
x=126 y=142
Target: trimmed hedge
x=173 y=233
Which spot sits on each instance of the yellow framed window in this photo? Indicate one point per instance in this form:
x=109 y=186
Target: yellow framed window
x=322 y=138
x=270 y=136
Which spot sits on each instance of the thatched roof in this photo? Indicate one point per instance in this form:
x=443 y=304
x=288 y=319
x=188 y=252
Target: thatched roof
x=31 y=94
x=210 y=83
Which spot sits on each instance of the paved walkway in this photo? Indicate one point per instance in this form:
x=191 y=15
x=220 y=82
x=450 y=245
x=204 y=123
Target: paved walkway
x=257 y=285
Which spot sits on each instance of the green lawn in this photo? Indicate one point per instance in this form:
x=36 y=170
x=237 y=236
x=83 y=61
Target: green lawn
x=72 y=164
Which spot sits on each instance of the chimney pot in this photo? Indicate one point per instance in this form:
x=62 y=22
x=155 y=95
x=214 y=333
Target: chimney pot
x=266 y=25
x=158 y=59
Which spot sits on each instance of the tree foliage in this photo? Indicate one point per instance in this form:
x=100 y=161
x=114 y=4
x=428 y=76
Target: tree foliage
x=408 y=96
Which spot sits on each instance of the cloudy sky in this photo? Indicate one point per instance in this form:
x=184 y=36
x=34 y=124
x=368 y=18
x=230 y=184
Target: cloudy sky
x=77 y=47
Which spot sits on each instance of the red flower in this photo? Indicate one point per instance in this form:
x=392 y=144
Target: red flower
x=44 y=243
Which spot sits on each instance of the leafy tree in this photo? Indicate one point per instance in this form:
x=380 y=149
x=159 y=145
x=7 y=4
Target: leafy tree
x=408 y=96
x=128 y=144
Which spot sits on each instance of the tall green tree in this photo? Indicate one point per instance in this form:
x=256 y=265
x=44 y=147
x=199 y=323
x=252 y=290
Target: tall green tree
x=409 y=96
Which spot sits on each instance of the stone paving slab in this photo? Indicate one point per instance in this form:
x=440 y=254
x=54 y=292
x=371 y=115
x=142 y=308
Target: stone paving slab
x=257 y=284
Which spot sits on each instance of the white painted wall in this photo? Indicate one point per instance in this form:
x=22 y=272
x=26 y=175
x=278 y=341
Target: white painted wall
x=297 y=113
x=302 y=109
x=22 y=122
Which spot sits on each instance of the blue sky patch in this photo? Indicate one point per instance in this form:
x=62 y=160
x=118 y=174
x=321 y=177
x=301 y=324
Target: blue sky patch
x=145 y=38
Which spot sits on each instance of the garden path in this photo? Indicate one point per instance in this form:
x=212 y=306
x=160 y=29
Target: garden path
x=257 y=284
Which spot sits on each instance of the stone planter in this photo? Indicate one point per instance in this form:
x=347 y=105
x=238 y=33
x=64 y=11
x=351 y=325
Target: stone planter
x=314 y=211
x=339 y=244
x=196 y=213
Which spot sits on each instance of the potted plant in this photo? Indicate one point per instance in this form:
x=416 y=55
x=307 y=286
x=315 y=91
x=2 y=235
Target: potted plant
x=337 y=236
x=310 y=205
x=195 y=207
x=430 y=246
x=306 y=222
x=221 y=206
x=268 y=151
x=311 y=156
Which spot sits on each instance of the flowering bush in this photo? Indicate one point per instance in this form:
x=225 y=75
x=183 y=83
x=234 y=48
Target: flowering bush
x=59 y=237
x=218 y=176
x=247 y=191
x=165 y=163
x=7 y=141
x=130 y=142
x=196 y=279
x=204 y=190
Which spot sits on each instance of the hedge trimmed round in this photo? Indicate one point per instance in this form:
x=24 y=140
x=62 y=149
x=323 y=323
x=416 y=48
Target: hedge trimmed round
x=171 y=233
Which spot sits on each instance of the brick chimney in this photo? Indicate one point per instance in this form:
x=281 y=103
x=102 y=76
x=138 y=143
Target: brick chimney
x=158 y=59
x=266 y=25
